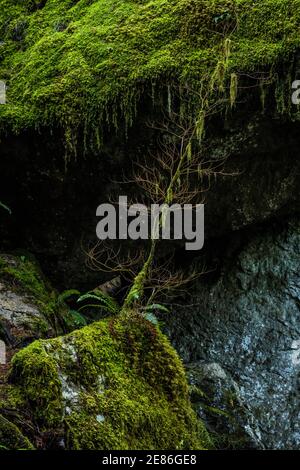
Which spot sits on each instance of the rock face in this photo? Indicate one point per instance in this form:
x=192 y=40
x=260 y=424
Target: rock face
x=20 y=320
x=87 y=112
x=28 y=310
x=248 y=323
x=264 y=175
x=217 y=399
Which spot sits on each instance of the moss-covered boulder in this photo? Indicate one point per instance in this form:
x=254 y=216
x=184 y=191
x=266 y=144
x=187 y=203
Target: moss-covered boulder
x=116 y=384
x=26 y=302
x=30 y=308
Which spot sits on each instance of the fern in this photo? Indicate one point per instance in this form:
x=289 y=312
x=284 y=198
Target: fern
x=66 y=295
x=149 y=315
x=152 y=318
x=106 y=302
x=77 y=319
x=161 y=308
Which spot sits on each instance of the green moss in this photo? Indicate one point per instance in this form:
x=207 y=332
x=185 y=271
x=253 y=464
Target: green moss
x=23 y=275
x=215 y=411
x=84 y=64
x=11 y=437
x=37 y=372
x=117 y=384
x=225 y=421
x=10 y=397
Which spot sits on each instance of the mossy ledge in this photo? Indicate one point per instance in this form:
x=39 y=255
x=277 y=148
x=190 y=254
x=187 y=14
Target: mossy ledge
x=116 y=384
x=84 y=65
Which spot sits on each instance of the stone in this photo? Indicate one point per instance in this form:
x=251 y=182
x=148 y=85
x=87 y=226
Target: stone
x=217 y=400
x=247 y=320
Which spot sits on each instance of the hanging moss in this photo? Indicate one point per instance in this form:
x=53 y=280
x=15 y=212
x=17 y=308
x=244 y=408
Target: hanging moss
x=85 y=65
x=200 y=127
x=233 y=88
x=117 y=384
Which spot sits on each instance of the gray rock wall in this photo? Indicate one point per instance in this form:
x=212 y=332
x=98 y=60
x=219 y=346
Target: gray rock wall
x=248 y=323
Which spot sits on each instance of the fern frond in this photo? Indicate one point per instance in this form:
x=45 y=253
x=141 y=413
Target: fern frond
x=77 y=319
x=159 y=307
x=105 y=301
x=66 y=295
x=152 y=318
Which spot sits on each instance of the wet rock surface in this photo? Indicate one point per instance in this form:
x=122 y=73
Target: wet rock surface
x=217 y=400
x=247 y=321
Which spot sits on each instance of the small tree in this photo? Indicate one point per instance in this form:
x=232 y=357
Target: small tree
x=178 y=172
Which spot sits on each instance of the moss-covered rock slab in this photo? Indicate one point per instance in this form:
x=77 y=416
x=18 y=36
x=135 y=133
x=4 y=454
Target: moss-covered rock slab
x=81 y=64
x=116 y=384
x=25 y=302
